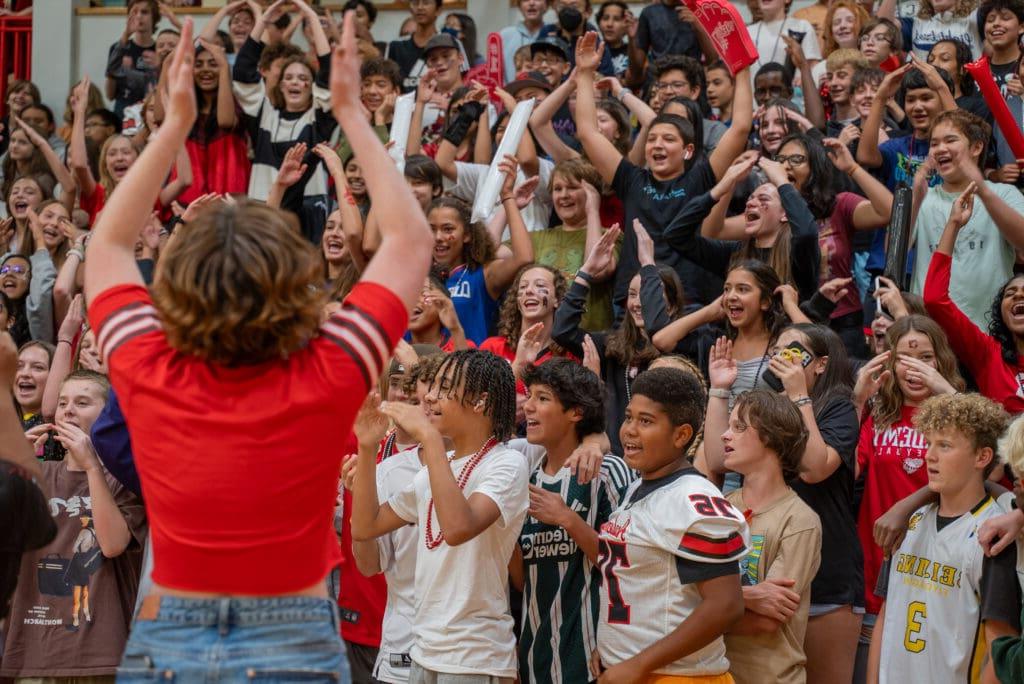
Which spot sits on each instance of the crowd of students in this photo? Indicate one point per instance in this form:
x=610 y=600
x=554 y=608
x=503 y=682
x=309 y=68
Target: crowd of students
x=644 y=396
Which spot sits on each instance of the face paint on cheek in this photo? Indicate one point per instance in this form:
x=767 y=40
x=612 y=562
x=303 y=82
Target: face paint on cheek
x=544 y=301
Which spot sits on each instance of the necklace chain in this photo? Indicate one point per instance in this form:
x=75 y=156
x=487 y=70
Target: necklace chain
x=429 y=539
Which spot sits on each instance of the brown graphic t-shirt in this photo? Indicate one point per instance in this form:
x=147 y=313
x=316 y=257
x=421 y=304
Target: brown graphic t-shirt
x=73 y=606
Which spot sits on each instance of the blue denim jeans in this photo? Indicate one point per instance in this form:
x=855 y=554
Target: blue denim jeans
x=224 y=641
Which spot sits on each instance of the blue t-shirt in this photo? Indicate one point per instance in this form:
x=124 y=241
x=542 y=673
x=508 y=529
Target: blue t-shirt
x=476 y=308
x=900 y=159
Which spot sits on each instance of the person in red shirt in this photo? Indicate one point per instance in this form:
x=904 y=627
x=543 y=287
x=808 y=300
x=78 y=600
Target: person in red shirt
x=994 y=359
x=891 y=452
x=240 y=399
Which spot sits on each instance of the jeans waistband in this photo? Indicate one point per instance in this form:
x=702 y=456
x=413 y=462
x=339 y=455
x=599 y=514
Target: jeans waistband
x=224 y=612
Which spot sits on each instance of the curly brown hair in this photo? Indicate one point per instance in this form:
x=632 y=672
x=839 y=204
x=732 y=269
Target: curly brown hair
x=510 y=319
x=889 y=402
x=480 y=250
x=961 y=9
x=239 y=287
x=981 y=420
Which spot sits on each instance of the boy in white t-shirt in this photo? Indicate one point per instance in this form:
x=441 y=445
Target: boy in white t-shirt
x=469 y=505
x=767 y=35
x=983 y=254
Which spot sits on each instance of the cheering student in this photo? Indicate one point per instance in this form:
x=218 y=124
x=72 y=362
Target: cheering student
x=993 y=358
x=670 y=551
x=469 y=504
x=765 y=443
x=945 y=601
x=676 y=171
x=206 y=361
x=555 y=560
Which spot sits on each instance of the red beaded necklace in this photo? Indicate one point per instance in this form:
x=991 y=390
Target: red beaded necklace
x=429 y=539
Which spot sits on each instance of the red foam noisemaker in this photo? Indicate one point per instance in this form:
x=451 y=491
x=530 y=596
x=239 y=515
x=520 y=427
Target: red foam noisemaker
x=728 y=32
x=982 y=73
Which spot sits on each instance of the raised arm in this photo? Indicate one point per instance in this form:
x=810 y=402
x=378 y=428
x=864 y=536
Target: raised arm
x=60 y=172
x=814 y=108
x=78 y=158
x=722 y=371
x=209 y=32
x=351 y=219
x=226 y=117
x=734 y=141
x=499 y=273
x=867 y=149
x=544 y=112
x=183 y=179
x=875 y=212
x=401 y=262
x=316 y=29
x=599 y=149
x=60 y=366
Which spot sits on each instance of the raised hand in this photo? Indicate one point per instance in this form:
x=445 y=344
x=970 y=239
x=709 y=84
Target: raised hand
x=371 y=424
x=529 y=345
x=840 y=155
x=962 y=209
x=775 y=171
x=346 y=82
x=591 y=359
x=292 y=168
x=524 y=194
x=411 y=419
x=199 y=205
x=508 y=166
x=722 y=369
x=180 y=100
x=835 y=289
x=588 y=52
x=331 y=159
x=870 y=379
x=73 y=319
x=644 y=244
x=602 y=255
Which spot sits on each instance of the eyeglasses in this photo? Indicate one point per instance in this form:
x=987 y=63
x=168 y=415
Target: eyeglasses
x=674 y=85
x=791 y=159
x=875 y=38
x=16 y=269
x=548 y=60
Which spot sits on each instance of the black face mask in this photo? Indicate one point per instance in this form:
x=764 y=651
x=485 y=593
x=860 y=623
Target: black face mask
x=569 y=18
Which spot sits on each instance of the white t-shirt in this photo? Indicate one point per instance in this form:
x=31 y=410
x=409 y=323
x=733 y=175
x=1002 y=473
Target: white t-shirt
x=943 y=26
x=462 y=623
x=537 y=214
x=397 y=551
x=767 y=36
x=982 y=257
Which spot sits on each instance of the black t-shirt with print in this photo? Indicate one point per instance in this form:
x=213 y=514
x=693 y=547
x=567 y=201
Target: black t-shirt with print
x=656 y=203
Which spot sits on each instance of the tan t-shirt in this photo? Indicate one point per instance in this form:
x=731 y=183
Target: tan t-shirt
x=785 y=542
x=70 y=578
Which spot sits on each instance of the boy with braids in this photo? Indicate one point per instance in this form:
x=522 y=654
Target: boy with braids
x=670 y=552
x=469 y=505
x=555 y=563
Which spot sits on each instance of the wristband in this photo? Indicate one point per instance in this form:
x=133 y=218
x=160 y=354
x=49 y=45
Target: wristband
x=67 y=342
x=584 y=276
x=621 y=97
x=74 y=251
x=506 y=198
x=719 y=393
x=801 y=401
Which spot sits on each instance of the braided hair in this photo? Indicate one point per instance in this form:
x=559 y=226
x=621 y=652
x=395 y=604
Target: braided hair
x=481 y=373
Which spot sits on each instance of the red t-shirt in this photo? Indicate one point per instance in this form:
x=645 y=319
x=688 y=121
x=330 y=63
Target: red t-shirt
x=93 y=204
x=983 y=356
x=361 y=600
x=893 y=465
x=240 y=465
x=499 y=346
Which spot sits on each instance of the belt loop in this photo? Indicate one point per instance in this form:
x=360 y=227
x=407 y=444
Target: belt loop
x=335 y=616
x=224 y=617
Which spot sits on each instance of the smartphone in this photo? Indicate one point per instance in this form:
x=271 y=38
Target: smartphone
x=792 y=350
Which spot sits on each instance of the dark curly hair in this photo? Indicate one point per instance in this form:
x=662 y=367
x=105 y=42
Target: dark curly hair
x=480 y=249
x=510 y=319
x=576 y=388
x=630 y=344
x=481 y=373
x=822 y=185
x=997 y=327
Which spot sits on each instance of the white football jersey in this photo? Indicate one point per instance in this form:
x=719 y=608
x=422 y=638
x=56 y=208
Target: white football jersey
x=643 y=597
x=933 y=630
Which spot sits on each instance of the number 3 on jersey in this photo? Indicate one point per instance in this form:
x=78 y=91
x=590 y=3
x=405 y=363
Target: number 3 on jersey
x=916 y=614
x=614 y=554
